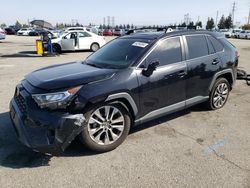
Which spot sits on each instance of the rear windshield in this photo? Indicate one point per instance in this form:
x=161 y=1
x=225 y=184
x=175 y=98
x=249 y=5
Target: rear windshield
x=118 y=54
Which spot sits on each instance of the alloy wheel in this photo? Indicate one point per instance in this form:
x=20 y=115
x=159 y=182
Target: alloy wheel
x=106 y=125
x=220 y=95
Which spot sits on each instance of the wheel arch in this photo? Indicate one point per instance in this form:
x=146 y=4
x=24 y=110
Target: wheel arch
x=227 y=74
x=126 y=100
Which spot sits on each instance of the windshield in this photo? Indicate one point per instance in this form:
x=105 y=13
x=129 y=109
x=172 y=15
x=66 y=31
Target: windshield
x=118 y=54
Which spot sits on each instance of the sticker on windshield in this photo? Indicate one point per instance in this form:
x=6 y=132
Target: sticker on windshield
x=140 y=44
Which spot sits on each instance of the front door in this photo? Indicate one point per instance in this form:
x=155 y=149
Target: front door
x=69 y=42
x=165 y=89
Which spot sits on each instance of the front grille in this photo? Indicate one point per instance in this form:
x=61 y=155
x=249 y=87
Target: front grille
x=21 y=103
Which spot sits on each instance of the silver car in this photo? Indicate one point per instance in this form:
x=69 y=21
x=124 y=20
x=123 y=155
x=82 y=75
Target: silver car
x=2 y=34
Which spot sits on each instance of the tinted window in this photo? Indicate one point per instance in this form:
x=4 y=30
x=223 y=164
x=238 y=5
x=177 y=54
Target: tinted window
x=167 y=52
x=216 y=44
x=210 y=47
x=197 y=46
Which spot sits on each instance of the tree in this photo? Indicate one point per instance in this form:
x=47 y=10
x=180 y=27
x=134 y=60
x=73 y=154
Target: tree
x=199 y=24
x=210 y=24
x=221 y=24
x=246 y=27
x=128 y=26
x=17 y=24
x=182 y=25
x=132 y=26
x=120 y=27
x=3 y=25
x=229 y=22
x=25 y=25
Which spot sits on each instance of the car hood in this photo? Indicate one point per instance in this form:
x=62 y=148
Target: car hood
x=67 y=75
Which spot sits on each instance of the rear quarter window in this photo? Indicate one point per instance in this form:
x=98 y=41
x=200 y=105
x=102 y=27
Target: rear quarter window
x=216 y=44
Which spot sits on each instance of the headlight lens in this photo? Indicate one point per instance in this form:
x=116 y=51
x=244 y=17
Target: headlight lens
x=55 y=100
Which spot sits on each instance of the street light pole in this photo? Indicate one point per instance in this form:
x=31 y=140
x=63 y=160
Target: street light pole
x=248 y=22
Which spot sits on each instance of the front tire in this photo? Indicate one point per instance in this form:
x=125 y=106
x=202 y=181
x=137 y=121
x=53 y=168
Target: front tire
x=219 y=94
x=107 y=127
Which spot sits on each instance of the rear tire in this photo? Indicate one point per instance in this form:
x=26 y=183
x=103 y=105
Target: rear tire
x=219 y=94
x=107 y=127
x=94 y=47
x=56 y=48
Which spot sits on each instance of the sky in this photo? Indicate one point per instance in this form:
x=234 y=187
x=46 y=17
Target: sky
x=137 y=12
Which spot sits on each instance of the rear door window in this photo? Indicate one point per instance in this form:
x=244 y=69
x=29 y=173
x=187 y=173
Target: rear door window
x=197 y=46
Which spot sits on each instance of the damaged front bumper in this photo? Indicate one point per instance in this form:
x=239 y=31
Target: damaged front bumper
x=44 y=131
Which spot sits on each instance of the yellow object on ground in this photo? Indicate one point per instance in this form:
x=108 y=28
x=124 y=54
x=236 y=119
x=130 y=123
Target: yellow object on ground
x=39 y=47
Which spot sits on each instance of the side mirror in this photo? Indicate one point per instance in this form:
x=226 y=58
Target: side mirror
x=151 y=68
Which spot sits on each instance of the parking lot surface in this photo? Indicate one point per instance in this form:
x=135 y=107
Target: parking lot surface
x=192 y=148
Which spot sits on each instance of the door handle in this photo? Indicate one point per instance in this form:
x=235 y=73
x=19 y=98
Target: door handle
x=215 y=61
x=182 y=73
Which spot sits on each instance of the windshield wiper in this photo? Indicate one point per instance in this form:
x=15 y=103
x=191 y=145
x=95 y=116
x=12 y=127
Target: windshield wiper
x=94 y=65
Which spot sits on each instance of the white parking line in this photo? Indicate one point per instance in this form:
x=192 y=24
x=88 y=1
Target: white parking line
x=3 y=66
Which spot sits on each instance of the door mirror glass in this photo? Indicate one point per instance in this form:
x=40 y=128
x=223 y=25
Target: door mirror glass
x=151 y=68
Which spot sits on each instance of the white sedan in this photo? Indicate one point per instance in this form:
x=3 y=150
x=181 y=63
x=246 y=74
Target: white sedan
x=77 y=40
x=24 y=31
x=2 y=34
x=244 y=34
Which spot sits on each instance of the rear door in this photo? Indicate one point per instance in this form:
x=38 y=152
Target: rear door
x=202 y=63
x=85 y=40
x=167 y=85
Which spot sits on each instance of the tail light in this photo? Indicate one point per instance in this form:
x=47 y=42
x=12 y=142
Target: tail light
x=237 y=53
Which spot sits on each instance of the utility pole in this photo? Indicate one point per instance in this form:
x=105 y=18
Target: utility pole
x=248 y=22
x=216 y=22
x=233 y=11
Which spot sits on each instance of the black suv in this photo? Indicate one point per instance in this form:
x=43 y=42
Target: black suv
x=131 y=80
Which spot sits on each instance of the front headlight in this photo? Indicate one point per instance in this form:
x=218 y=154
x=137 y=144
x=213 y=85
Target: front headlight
x=55 y=100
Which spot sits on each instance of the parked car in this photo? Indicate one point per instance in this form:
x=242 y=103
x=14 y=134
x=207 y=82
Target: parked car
x=107 y=32
x=245 y=34
x=75 y=29
x=37 y=32
x=77 y=40
x=24 y=31
x=10 y=31
x=226 y=32
x=118 y=32
x=2 y=34
x=131 y=80
x=236 y=33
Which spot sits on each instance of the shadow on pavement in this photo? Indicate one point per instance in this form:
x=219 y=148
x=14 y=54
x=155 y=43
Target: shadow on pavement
x=14 y=155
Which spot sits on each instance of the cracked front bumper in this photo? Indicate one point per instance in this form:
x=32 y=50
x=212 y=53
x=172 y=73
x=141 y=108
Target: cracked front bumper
x=45 y=131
